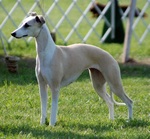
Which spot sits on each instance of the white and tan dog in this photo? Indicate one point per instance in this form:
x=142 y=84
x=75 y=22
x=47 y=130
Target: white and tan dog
x=59 y=66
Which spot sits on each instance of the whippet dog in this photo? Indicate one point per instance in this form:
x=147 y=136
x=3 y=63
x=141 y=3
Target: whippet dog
x=58 y=66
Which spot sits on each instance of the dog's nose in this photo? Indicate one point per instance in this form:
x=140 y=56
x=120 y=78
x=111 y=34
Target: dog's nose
x=13 y=34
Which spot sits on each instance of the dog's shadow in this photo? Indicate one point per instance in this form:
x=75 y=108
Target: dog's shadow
x=69 y=129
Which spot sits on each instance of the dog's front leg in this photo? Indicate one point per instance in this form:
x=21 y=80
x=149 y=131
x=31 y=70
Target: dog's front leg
x=43 y=96
x=54 y=107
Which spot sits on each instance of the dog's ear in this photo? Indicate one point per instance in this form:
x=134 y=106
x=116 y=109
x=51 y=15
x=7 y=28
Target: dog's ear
x=40 y=19
x=33 y=14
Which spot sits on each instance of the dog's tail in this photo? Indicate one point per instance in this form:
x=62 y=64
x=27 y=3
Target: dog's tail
x=115 y=102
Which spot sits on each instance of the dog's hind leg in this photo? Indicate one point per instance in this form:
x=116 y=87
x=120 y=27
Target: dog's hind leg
x=115 y=102
x=114 y=80
x=119 y=91
x=100 y=87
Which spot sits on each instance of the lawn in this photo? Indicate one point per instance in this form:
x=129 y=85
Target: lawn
x=81 y=113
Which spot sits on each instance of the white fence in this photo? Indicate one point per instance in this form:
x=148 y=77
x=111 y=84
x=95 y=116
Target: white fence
x=68 y=19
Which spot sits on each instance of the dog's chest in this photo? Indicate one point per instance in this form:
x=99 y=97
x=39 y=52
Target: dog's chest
x=45 y=74
x=42 y=71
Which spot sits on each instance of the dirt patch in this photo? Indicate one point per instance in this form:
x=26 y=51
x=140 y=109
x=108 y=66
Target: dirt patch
x=134 y=62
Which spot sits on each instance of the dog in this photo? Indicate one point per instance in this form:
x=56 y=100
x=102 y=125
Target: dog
x=58 y=66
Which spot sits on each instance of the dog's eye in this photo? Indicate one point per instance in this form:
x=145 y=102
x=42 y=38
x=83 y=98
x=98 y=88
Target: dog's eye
x=26 y=25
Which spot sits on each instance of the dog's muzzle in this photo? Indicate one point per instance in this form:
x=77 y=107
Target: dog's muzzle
x=14 y=35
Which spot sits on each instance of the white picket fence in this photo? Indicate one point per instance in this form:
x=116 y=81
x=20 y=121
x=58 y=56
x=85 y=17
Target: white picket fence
x=13 y=12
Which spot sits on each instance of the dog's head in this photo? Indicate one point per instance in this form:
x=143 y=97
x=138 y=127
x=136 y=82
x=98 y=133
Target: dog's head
x=31 y=26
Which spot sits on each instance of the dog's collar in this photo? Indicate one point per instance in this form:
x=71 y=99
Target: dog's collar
x=39 y=31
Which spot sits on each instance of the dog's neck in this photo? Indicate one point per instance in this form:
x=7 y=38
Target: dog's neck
x=44 y=42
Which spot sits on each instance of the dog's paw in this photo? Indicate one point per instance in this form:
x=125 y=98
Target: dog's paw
x=52 y=123
x=44 y=121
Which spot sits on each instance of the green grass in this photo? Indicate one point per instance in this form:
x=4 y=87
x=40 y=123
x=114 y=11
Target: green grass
x=81 y=113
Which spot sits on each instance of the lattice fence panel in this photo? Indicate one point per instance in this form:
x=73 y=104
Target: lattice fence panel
x=67 y=19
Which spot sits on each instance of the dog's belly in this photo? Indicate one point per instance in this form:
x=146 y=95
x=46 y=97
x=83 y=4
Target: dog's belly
x=68 y=80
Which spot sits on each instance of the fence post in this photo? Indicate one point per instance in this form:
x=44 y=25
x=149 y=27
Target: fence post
x=129 y=32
